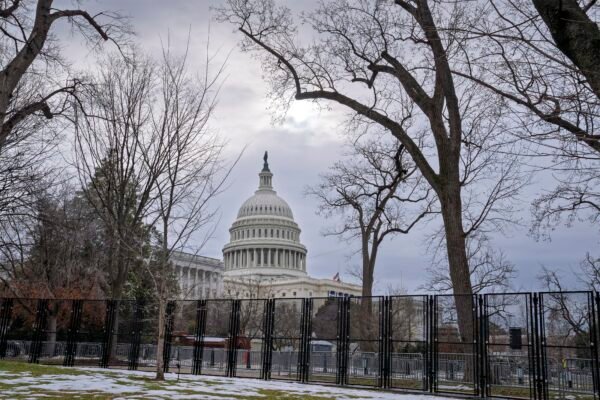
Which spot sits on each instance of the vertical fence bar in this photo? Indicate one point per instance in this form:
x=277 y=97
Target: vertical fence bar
x=198 y=337
x=593 y=341
x=596 y=348
x=108 y=333
x=169 y=322
x=532 y=342
x=482 y=322
x=73 y=333
x=233 y=338
x=136 y=336
x=476 y=344
x=345 y=340
x=539 y=376
x=434 y=344
x=5 y=316
x=301 y=364
x=267 y=353
x=41 y=314
x=384 y=343
x=340 y=341
x=306 y=332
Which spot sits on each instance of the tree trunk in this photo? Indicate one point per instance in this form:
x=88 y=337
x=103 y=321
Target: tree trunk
x=367 y=279
x=160 y=365
x=457 y=260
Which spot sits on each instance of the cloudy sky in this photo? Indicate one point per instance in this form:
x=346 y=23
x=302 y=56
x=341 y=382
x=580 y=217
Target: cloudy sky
x=303 y=146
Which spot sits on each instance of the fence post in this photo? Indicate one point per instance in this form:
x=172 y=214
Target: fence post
x=136 y=335
x=305 y=344
x=539 y=350
x=594 y=307
x=198 y=337
x=233 y=338
x=268 y=339
x=341 y=340
x=301 y=356
x=482 y=321
x=384 y=342
x=169 y=321
x=107 y=337
x=5 y=315
x=73 y=333
x=38 y=330
x=432 y=302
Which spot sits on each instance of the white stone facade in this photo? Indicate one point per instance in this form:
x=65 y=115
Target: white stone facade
x=265 y=258
x=198 y=276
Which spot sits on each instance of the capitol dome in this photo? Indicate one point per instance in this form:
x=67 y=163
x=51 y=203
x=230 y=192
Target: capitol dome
x=265 y=203
x=264 y=239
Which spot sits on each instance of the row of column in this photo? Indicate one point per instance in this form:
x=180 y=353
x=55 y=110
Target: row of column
x=247 y=258
x=196 y=283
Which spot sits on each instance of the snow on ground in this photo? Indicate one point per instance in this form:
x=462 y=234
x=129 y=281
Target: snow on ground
x=117 y=384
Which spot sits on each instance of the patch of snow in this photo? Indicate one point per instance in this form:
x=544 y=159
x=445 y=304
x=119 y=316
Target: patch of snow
x=119 y=382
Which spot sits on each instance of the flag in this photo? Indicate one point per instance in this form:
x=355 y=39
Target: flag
x=336 y=277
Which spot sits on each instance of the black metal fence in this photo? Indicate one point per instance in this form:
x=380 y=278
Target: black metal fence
x=511 y=345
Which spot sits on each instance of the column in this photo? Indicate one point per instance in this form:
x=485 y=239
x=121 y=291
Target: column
x=209 y=275
x=204 y=282
x=189 y=281
x=268 y=264
x=254 y=257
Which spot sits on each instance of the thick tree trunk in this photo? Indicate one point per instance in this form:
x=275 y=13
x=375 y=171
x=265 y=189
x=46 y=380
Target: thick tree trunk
x=160 y=365
x=367 y=278
x=457 y=260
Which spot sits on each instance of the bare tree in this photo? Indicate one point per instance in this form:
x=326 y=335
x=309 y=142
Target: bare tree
x=364 y=59
x=28 y=50
x=191 y=174
x=118 y=157
x=377 y=192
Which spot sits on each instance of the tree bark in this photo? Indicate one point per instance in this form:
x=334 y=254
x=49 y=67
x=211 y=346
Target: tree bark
x=367 y=269
x=575 y=34
x=451 y=207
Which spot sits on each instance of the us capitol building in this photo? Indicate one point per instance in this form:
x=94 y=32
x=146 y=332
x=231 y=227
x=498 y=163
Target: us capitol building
x=264 y=257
